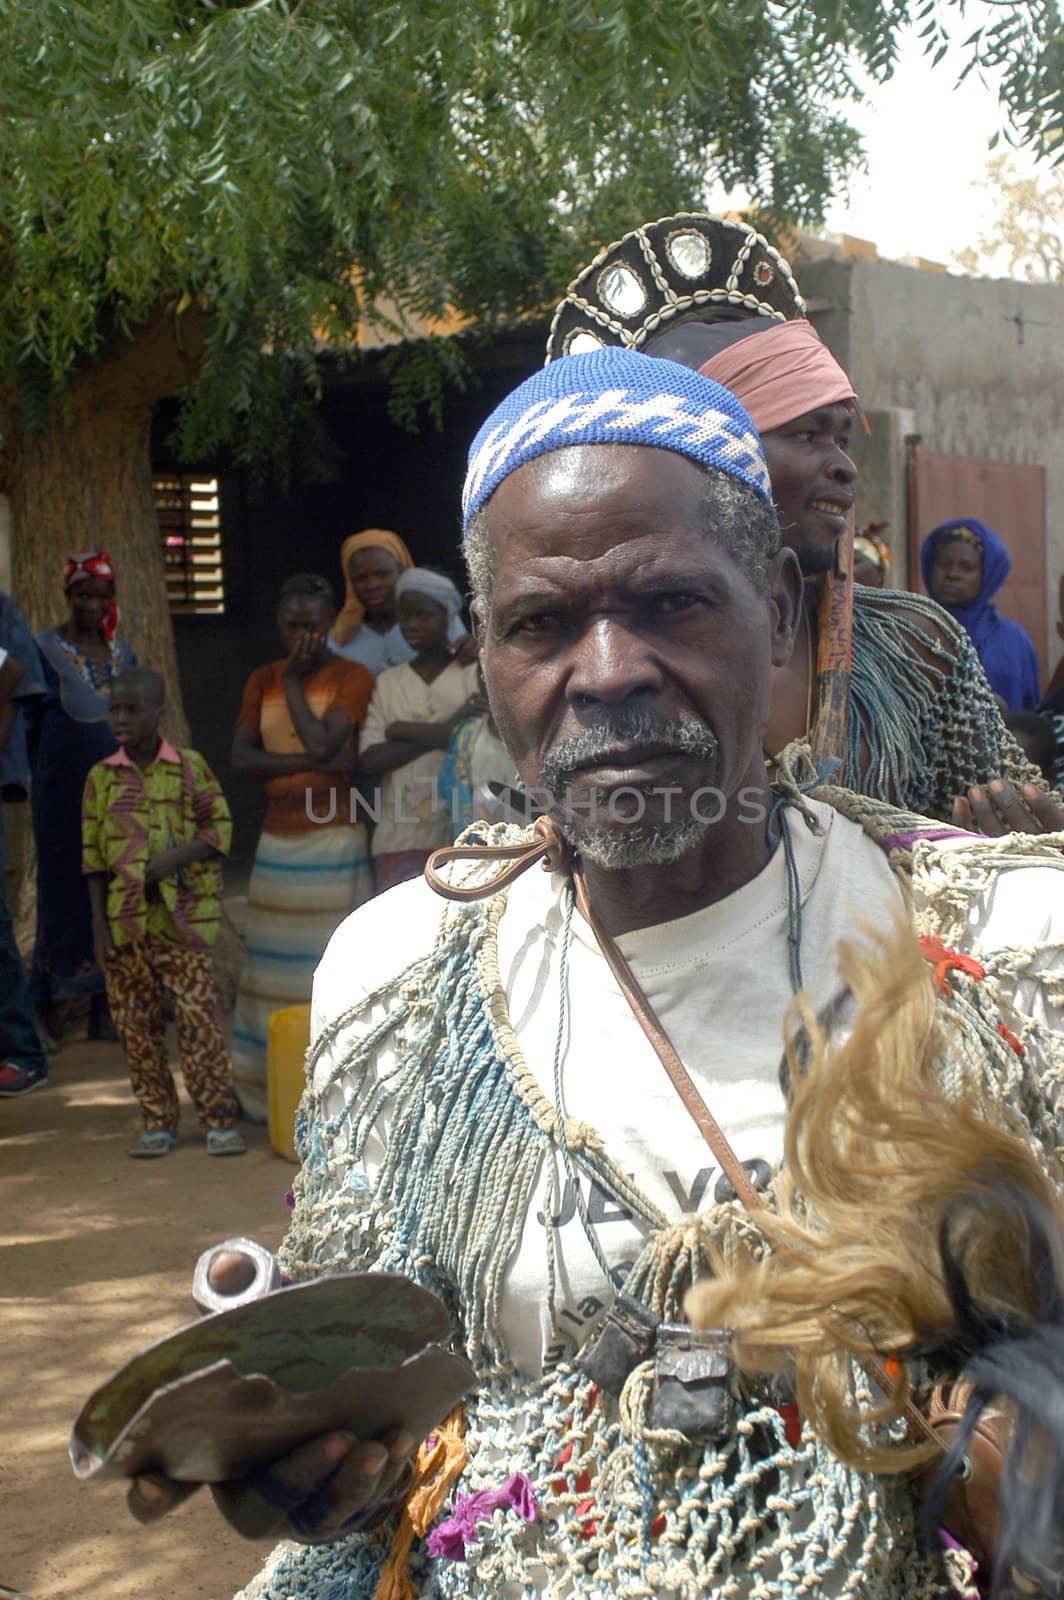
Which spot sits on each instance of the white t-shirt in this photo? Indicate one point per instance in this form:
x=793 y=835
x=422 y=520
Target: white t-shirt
x=412 y=815
x=489 y=759
x=719 y=981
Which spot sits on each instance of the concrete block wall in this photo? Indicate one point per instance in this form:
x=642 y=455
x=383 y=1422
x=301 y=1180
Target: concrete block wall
x=974 y=366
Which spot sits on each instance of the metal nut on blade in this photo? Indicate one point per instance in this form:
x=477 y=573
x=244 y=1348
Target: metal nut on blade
x=232 y=1273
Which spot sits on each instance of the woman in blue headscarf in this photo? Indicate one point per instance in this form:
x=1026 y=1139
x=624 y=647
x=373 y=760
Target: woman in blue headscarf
x=964 y=564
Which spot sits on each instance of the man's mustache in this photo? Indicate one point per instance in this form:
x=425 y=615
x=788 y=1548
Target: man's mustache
x=618 y=729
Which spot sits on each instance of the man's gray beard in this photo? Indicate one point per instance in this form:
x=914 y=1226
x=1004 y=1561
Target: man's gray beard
x=620 y=844
x=637 y=845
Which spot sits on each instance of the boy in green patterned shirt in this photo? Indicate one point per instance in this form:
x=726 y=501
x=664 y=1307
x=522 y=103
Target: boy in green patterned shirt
x=155 y=825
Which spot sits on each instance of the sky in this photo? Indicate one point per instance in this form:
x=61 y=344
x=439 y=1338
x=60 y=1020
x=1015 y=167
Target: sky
x=926 y=142
x=927 y=146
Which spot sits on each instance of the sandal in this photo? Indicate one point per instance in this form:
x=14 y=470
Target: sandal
x=224 y=1142
x=154 y=1142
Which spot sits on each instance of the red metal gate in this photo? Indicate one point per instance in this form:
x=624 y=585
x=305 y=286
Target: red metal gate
x=1009 y=498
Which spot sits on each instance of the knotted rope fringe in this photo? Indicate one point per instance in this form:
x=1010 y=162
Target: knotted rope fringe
x=923 y=724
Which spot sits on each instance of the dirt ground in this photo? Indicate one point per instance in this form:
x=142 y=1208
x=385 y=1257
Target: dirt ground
x=96 y=1257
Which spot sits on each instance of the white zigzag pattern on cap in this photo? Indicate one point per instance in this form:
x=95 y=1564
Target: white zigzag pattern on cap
x=616 y=410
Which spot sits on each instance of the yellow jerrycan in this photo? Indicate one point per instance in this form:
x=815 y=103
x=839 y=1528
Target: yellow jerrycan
x=287 y=1040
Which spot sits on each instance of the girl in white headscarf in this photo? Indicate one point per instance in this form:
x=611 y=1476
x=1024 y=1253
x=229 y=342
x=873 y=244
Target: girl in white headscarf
x=414 y=710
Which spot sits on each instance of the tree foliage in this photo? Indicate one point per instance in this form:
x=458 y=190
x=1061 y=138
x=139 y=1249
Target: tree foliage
x=1026 y=237
x=289 y=168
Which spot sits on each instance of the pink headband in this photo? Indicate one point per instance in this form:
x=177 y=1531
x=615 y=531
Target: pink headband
x=780 y=373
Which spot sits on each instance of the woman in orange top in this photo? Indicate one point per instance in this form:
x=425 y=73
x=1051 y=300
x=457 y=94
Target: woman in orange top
x=298 y=732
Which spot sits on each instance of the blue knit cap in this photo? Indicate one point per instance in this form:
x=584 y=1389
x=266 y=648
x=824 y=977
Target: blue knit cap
x=615 y=396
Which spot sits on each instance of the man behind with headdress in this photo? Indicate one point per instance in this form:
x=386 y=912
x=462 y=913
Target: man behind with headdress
x=922 y=725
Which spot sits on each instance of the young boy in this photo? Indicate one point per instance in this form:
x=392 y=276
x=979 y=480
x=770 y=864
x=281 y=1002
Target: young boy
x=154 y=827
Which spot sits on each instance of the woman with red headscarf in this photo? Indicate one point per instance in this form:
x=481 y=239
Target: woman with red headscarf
x=80 y=655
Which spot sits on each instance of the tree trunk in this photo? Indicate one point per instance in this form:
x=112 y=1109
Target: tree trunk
x=87 y=483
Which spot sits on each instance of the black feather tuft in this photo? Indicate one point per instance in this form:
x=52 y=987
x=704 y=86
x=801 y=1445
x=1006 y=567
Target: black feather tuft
x=1015 y=1356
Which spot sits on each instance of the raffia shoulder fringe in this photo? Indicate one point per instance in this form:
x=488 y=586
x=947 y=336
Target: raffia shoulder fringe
x=622 y=1510
x=924 y=724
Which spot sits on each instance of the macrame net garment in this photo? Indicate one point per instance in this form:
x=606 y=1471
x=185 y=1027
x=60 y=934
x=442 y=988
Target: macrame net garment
x=754 y=1518
x=623 y=1510
x=921 y=733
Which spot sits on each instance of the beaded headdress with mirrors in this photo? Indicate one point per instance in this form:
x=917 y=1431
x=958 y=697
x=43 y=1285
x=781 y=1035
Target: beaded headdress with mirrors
x=690 y=267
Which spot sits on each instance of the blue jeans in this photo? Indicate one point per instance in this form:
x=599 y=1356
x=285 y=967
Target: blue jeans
x=18 y=1037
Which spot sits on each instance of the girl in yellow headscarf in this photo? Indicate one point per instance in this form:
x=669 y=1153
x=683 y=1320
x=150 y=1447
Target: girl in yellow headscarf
x=367 y=629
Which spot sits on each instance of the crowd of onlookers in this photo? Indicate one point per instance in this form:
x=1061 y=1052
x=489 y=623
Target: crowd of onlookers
x=370 y=735
x=374 y=744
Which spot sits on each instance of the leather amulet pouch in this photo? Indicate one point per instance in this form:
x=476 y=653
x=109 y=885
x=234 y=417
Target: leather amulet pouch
x=694 y=1382
x=624 y=1341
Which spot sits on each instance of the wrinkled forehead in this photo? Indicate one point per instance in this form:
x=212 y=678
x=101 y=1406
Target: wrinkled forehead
x=624 y=513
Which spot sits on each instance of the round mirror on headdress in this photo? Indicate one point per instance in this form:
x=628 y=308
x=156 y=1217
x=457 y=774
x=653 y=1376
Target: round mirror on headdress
x=664 y=285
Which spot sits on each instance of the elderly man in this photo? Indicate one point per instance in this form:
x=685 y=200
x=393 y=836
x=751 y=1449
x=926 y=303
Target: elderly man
x=488 y=1111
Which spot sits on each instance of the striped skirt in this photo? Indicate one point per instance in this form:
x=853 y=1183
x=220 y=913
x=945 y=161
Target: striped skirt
x=302 y=887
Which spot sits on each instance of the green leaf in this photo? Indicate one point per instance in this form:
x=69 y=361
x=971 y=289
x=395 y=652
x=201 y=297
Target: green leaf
x=287 y=163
